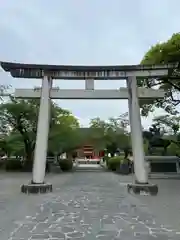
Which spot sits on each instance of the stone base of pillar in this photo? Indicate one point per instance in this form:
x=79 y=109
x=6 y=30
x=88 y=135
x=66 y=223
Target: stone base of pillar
x=143 y=189
x=36 y=188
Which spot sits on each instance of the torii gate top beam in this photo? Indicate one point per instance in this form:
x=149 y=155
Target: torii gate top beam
x=19 y=70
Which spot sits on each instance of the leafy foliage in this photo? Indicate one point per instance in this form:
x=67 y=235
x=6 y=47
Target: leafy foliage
x=114 y=163
x=13 y=165
x=3 y=91
x=20 y=117
x=168 y=123
x=163 y=53
x=111 y=134
x=18 y=124
x=12 y=144
x=66 y=164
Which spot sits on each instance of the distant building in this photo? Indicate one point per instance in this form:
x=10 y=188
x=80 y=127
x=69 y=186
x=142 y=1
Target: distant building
x=88 y=149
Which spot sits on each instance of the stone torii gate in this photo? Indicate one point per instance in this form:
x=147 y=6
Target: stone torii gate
x=87 y=73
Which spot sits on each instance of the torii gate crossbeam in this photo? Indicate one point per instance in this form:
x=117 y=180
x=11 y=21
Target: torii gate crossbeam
x=101 y=94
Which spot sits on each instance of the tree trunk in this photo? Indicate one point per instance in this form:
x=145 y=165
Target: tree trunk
x=29 y=154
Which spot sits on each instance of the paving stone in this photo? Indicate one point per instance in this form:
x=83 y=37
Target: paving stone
x=41 y=227
x=23 y=231
x=110 y=233
x=139 y=228
x=67 y=229
x=68 y=221
x=105 y=238
x=146 y=237
x=58 y=235
x=40 y=236
x=126 y=234
x=12 y=238
x=41 y=218
x=75 y=235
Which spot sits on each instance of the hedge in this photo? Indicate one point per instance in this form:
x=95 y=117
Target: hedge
x=13 y=165
x=66 y=164
x=2 y=165
x=115 y=162
x=17 y=165
x=106 y=158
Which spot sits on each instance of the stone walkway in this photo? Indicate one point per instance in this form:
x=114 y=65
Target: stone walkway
x=90 y=205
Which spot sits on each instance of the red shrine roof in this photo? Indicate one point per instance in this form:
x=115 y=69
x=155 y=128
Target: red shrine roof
x=21 y=70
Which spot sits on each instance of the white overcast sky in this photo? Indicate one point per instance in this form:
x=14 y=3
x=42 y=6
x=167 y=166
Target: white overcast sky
x=93 y=32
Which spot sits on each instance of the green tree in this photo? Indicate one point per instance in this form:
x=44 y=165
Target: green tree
x=111 y=134
x=64 y=135
x=20 y=116
x=169 y=123
x=163 y=53
x=12 y=144
x=98 y=129
x=3 y=91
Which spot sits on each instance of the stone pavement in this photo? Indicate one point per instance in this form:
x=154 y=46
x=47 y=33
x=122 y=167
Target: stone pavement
x=87 y=205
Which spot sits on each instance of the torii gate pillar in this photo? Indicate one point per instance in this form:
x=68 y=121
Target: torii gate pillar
x=42 y=132
x=40 y=155
x=136 y=131
x=141 y=184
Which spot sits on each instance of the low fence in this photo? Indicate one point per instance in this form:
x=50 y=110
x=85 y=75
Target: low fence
x=163 y=164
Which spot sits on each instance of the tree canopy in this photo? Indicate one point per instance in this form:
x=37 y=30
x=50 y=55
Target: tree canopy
x=3 y=91
x=163 y=53
x=168 y=123
x=18 y=123
x=111 y=134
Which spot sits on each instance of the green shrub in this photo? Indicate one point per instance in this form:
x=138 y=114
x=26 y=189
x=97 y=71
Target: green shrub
x=114 y=162
x=145 y=147
x=27 y=166
x=66 y=164
x=13 y=165
x=2 y=165
x=173 y=149
x=105 y=159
